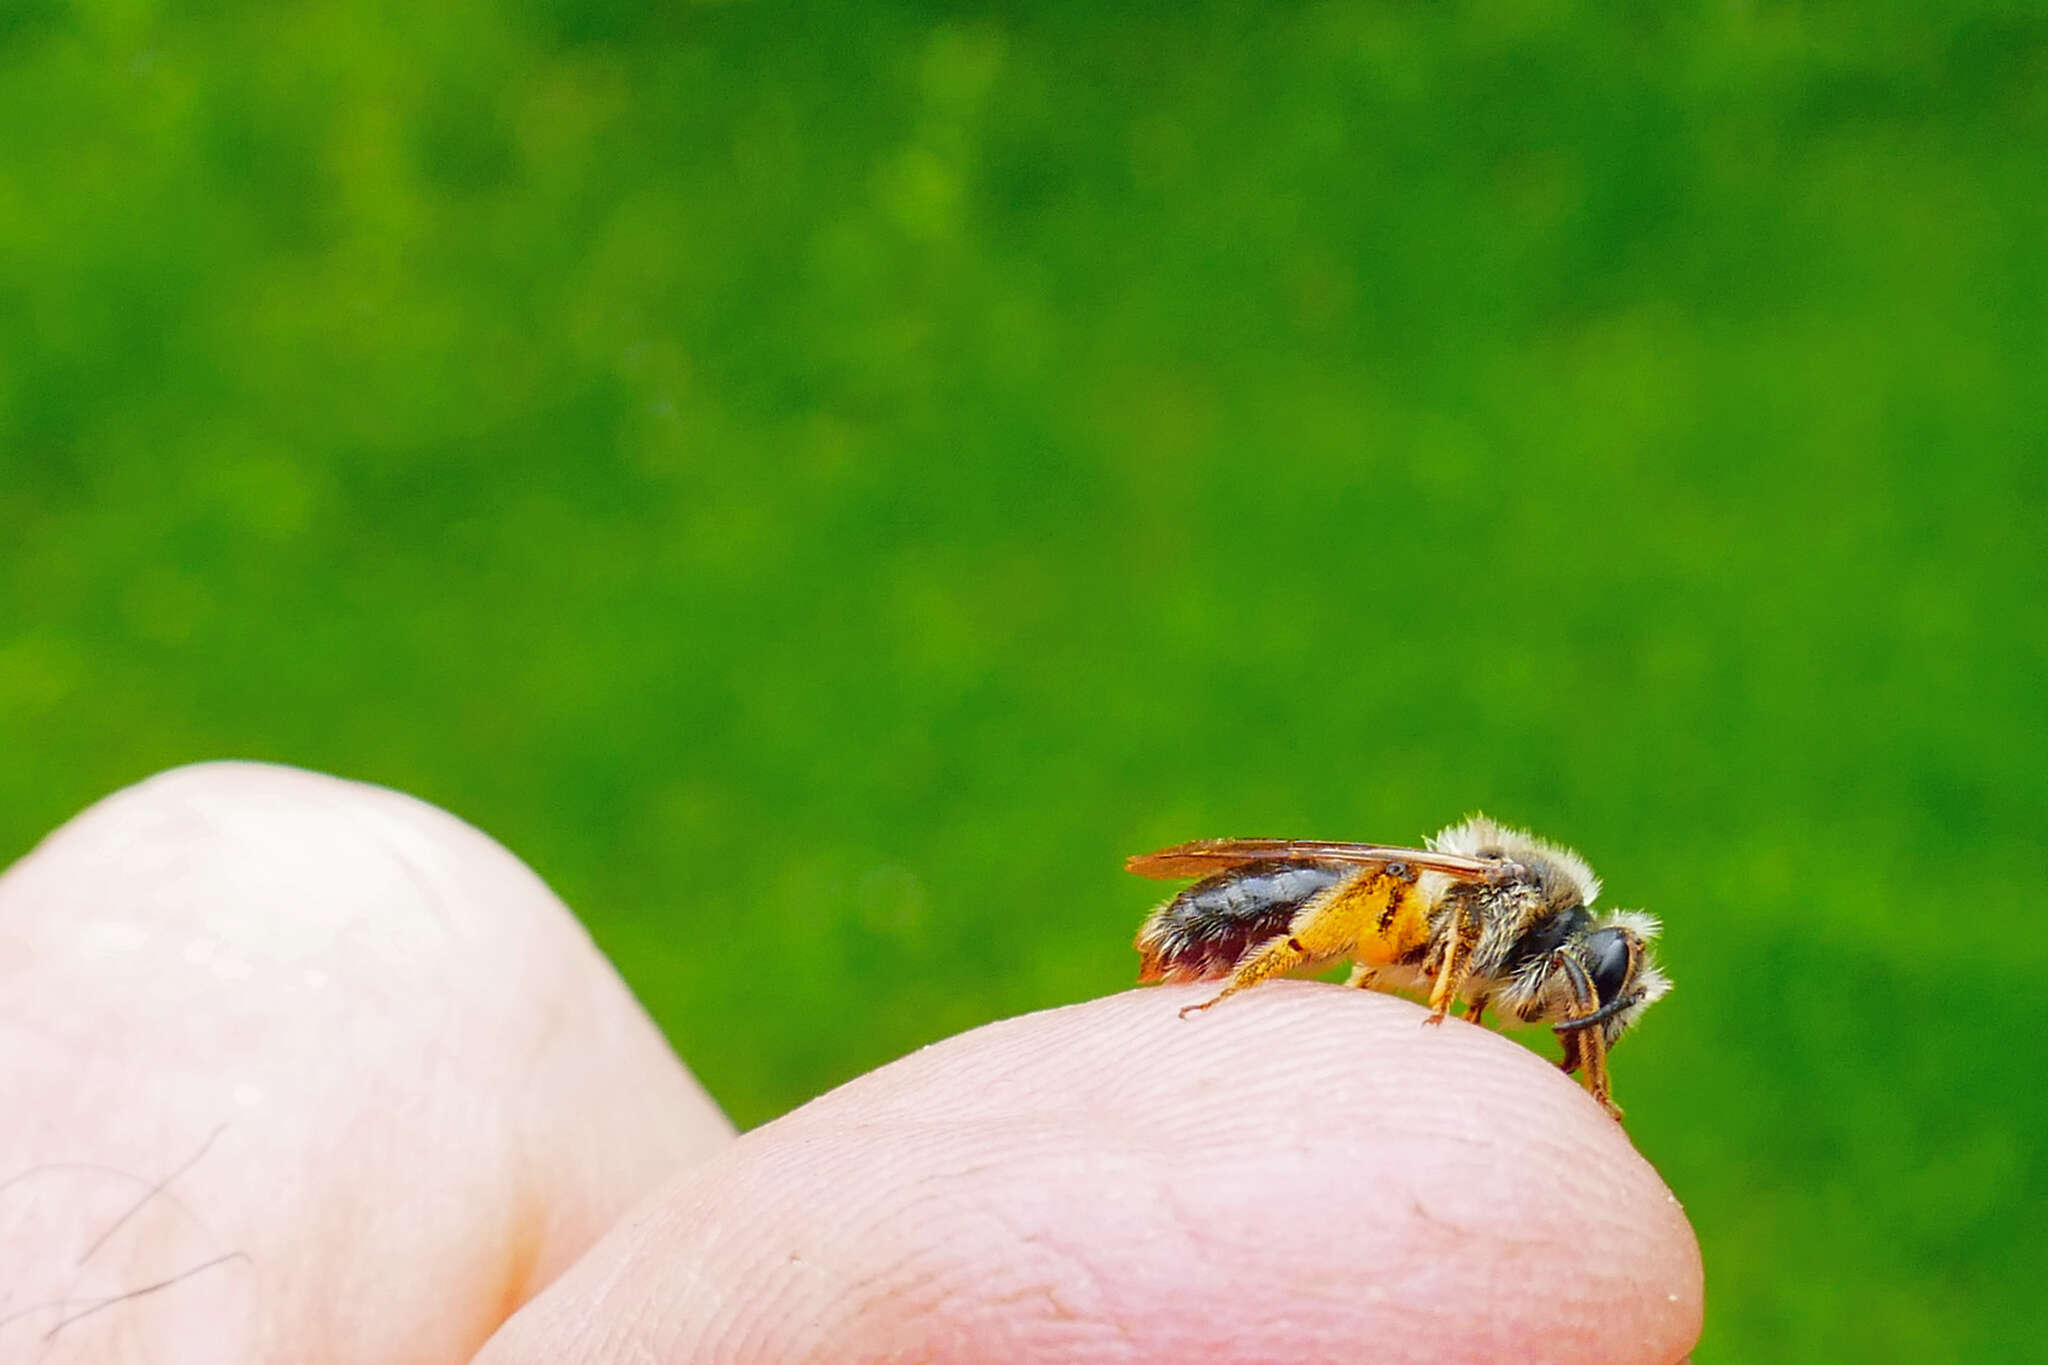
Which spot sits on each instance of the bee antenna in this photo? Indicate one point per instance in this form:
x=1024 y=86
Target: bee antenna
x=1606 y=1011
x=1583 y=988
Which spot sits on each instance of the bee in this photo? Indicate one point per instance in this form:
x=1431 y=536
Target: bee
x=1491 y=916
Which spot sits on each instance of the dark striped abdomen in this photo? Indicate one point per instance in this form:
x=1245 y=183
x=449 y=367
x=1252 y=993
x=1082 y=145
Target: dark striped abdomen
x=1205 y=929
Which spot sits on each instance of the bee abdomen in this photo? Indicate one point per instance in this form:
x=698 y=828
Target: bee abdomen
x=1205 y=929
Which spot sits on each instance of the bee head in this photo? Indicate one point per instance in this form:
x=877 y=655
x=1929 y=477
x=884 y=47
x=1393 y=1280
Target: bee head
x=1610 y=952
x=1617 y=965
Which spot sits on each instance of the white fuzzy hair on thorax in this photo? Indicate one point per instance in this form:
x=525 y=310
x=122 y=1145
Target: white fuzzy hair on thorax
x=1479 y=837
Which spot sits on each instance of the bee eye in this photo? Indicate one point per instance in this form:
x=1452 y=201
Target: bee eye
x=1607 y=952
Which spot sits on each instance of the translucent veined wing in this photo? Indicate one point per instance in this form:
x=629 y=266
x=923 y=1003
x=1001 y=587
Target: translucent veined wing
x=1206 y=857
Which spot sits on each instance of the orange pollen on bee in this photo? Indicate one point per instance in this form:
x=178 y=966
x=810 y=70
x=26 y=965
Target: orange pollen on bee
x=1392 y=915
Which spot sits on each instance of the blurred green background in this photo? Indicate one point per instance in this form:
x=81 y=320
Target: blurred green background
x=823 y=485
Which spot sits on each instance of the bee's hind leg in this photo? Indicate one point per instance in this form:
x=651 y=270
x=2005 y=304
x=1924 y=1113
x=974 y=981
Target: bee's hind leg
x=1323 y=930
x=1474 y=1010
x=1277 y=956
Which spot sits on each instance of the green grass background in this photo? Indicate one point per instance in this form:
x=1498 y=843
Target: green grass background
x=823 y=484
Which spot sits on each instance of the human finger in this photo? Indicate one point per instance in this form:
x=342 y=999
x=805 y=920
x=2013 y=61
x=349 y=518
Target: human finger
x=1306 y=1175
x=302 y=1069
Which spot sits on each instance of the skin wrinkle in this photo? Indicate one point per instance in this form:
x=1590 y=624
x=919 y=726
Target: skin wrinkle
x=778 y=1278
x=1062 y=1327
x=1078 y=1261
x=672 y=1336
x=891 y=1294
x=910 y=1277
x=898 y=1146
x=1191 y=1248
x=634 y=1328
x=1023 y=1237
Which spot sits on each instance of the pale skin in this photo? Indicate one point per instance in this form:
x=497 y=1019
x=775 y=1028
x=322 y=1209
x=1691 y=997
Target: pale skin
x=297 y=1069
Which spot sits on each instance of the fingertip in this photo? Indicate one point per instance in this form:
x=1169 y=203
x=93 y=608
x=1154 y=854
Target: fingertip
x=1518 y=1212
x=1305 y=1175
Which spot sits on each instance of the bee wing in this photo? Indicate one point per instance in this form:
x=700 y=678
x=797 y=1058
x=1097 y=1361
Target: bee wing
x=1205 y=857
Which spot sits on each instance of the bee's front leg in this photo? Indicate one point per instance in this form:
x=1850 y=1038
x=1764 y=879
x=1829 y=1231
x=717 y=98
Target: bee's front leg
x=1585 y=1051
x=1587 y=1048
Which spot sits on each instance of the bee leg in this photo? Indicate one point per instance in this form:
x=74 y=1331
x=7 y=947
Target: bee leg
x=1585 y=1049
x=1592 y=1059
x=1275 y=957
x=1362 y=976
x=1475 y=1009
x=1322 y=930
x=1458 y=945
